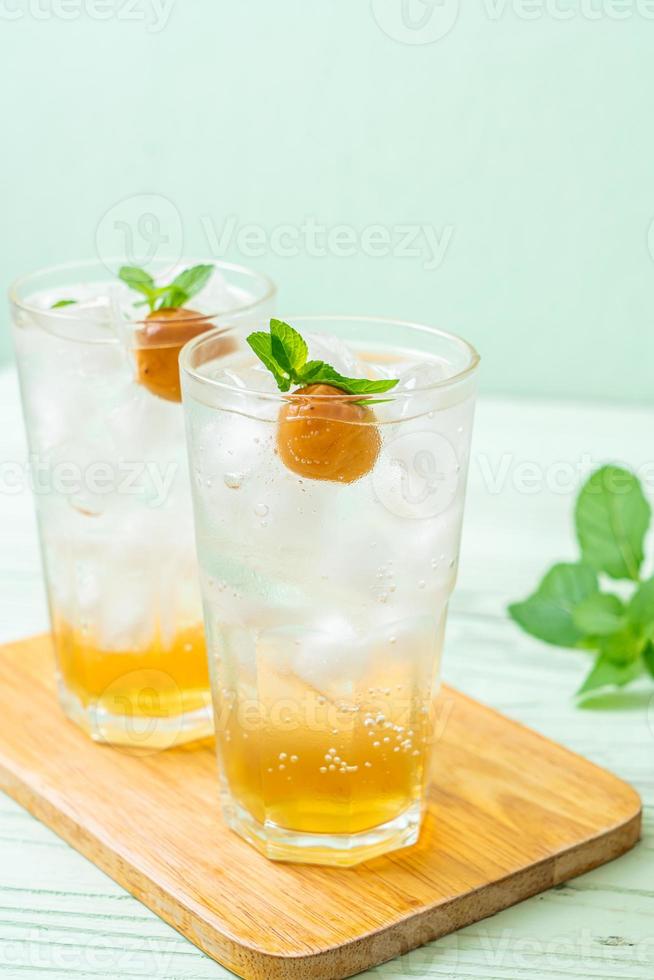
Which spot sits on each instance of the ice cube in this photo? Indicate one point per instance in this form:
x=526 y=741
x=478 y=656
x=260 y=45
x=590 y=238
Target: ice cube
x=325 y=347
x=417 y=381
x=422 y=375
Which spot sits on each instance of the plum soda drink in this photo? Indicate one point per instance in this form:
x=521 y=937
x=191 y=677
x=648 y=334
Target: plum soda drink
x=101 y=397
x=328 y=466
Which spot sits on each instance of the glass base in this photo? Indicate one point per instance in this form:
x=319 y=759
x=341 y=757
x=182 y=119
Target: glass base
x=141 y=733
x=337 y=850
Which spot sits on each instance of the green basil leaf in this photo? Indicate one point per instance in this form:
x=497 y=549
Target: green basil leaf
x=640 y=610
x=612 y=517
x=622 y=648
x=548 y=614
x=599 y=614
x=606 y=674
x=648 y=657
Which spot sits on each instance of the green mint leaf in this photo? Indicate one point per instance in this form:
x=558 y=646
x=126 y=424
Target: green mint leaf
x=63 y=302
x=261 y=344
x=648 y=657
x=317 y=372
x=140 y=280
x=548 y=614
x=136 y=278
x=284 y=352
x=289 y=348
x=364 y=386
x=172 y=297
x=175 y=294
x=599 y=615
x=612 y=517
x=607 y=674
x=640 y=610
x=192 y=280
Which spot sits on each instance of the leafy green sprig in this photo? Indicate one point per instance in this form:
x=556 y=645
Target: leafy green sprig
x=177 y=293
x=284 y=352
x=570 y=607
x=63 y=302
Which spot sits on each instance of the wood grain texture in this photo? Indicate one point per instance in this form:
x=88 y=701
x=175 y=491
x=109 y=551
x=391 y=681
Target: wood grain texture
x=510 y=815
x=61 y=917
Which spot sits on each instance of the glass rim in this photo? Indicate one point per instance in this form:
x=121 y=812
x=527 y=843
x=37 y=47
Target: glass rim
x=205 y=338
x=58 y=316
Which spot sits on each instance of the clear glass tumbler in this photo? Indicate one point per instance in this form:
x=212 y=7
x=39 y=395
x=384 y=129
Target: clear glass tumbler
x=101 y=399
x=326 y=584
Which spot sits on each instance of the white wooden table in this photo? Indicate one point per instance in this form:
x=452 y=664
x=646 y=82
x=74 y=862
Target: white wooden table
x=61 y=917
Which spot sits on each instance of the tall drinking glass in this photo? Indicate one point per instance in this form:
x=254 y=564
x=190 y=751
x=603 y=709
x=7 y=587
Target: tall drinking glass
x=328 y=535
x=101 y=399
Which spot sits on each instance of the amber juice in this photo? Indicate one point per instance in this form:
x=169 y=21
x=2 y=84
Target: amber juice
x=300 y=756
x=166 y=679
x=326 y=588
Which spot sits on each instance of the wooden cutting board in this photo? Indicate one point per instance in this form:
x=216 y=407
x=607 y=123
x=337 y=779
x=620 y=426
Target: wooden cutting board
x=510 y=815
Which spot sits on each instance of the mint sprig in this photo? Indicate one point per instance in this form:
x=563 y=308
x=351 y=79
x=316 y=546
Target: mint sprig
x=177 y=293
x=63 y=302
x=570 y=608
x=284 y=352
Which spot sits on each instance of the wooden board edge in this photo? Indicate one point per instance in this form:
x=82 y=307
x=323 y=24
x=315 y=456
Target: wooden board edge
x=338 y=962
x=335 y=963
x=229 y=952
x=414 y=931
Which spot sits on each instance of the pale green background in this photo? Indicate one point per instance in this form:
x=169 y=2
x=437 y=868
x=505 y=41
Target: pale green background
x=531 y=139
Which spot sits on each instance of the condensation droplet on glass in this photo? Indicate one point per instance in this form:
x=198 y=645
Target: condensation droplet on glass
x=233 y=480
x=261 y=510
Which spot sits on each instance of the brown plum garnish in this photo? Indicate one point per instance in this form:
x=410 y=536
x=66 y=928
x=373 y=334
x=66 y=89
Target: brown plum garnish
x=324 y=434
x=159 y=342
